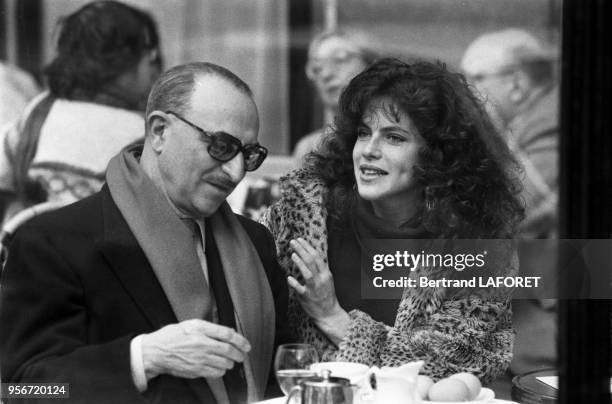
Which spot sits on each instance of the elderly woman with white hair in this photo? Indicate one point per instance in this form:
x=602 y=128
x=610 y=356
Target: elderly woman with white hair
x=334 y=58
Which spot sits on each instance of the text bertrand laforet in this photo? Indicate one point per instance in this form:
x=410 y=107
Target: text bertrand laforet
x=457 y=262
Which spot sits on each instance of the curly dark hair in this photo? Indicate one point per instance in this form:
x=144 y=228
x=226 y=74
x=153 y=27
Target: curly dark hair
x=468 y=176
x=96 y=44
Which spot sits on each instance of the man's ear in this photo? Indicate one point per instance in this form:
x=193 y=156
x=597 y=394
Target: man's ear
x=157 y=122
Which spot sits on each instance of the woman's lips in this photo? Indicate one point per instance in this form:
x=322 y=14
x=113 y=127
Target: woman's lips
x=369 y=173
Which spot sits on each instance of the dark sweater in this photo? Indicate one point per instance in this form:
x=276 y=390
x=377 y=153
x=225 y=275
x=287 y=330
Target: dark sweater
x=344 y=256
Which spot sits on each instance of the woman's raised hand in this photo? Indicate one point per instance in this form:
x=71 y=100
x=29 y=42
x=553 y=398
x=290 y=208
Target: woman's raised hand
x=317 y=295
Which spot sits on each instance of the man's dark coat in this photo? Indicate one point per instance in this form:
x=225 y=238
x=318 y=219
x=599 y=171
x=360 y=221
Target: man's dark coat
x=77 y=288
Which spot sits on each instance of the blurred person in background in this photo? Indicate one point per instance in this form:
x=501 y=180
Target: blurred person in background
x=400 y=165
x=334 y=58
x=515 y=72
x=107 y=59
x=17 y=88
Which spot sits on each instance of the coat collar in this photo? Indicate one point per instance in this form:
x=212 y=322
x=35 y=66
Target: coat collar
x=120 y=248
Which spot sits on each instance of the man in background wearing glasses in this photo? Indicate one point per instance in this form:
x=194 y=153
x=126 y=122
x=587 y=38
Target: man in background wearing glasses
x=152 y=288
x=516 y=74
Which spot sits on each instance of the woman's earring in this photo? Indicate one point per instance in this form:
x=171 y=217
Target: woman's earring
x=429 y=199
x=430 y=204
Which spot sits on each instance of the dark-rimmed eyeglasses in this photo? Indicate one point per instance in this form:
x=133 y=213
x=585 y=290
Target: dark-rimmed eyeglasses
x=224 y=147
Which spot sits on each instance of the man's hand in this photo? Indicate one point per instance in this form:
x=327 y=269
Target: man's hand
x=191 y=349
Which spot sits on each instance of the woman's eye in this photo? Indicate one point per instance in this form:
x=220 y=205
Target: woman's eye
x=393 y=138
x=362 y=133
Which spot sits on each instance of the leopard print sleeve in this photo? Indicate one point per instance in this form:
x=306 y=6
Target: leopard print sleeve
x=469 y=334
x=299 y=213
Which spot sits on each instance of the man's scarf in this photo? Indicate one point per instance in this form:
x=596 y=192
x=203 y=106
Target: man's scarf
x=168 y=245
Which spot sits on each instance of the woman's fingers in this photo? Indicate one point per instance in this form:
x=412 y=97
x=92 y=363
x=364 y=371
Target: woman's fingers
x=299 y=288
x=311 y=257
x=303 y=267
x=318 y=257
x=306 y=246
x=304 y=255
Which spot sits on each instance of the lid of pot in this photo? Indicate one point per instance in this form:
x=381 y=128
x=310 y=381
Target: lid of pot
x=325 y=380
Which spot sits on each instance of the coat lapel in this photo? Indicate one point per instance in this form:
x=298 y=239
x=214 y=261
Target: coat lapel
x=120 y=248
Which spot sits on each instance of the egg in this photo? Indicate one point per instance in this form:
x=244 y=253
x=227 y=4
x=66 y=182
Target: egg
x=471 y=382
x=449 y=390
x=423 y=384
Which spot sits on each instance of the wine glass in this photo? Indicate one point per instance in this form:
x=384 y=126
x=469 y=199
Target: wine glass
x=292 y=364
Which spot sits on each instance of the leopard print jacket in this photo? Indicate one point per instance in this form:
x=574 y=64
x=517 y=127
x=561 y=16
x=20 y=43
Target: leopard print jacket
x=450 y=335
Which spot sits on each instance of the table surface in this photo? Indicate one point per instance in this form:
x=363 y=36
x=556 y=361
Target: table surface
x=281 y=400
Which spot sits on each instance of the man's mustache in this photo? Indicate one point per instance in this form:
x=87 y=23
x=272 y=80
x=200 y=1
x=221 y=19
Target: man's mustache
x=222 y=182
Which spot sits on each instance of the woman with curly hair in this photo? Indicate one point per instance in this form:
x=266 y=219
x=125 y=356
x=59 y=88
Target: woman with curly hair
x=413 y=156
x=107 y=59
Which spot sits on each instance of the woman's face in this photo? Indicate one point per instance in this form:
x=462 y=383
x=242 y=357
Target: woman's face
x=384 y=155
x=331 y=65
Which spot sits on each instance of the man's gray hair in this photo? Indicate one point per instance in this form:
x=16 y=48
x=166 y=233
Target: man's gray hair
x=173 y=89
x=513 y=48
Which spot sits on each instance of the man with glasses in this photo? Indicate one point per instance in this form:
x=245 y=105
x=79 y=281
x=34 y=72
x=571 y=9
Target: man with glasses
x=153 y=289
x=516 y=75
